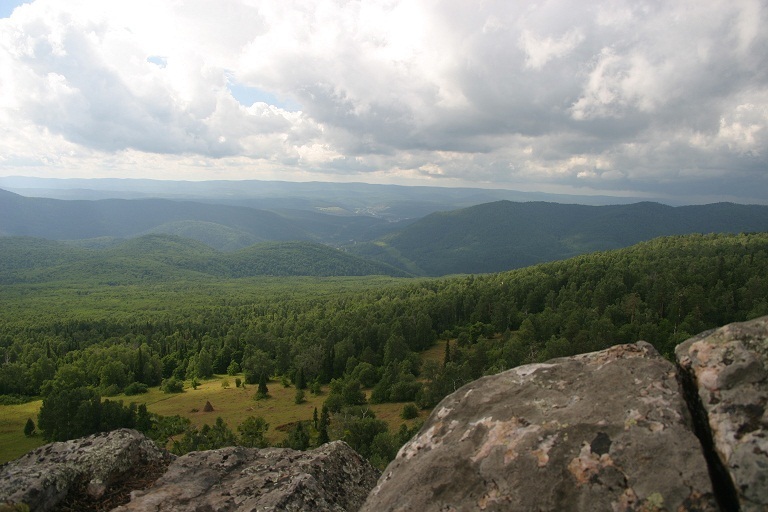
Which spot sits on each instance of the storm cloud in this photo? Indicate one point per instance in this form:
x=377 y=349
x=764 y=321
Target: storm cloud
x=657 y=99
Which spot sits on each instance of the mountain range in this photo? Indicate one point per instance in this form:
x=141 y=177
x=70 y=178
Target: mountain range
x=235 y=240
x=503 y=235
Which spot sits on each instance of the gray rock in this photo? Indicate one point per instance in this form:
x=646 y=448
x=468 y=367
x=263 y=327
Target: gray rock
x=602 y=431
x=43 y=477
x=727 y=368
x=332 y=477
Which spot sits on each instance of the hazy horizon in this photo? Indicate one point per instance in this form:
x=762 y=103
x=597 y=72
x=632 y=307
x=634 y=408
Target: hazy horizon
x=665 y=101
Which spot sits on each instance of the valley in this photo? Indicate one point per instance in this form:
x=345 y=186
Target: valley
x=74 y=326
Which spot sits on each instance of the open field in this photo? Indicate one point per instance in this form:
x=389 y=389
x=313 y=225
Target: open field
x=13 y=442
x=436 y=352
x=232 y=404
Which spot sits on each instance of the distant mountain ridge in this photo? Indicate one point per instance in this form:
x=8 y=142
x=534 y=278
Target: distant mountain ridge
x=489 y=237
x=502 y=235
x=391 y=202
x=78 y=219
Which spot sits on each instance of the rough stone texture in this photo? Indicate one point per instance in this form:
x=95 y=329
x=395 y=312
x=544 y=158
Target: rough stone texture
x=602 y=431
x=332 y=477
x=727 y=366
x=43 y=477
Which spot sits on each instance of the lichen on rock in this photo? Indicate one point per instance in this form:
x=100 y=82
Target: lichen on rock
x=727 y=369
x=600 y=431
x=331 y=478
x=44 y=477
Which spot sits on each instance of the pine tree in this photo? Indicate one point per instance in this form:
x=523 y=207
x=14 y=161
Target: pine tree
x=29 y=428
x=301 y=381
x=263 y=390
x=314 y=418
x=140 y=366
x=252 y=432
x=298 y=437
x=325 y=420
x=447 y=352
x=143 y=419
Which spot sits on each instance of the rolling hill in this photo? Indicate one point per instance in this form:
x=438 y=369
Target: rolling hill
x=489 y=237
x=504 y=235
x=70 y=220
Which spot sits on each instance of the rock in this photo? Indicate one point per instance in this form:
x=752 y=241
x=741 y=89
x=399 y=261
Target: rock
x=44 y=477
x=610 y=430
x=602 y=431
x=726 y=369
x=332 y=477
x=208 y=407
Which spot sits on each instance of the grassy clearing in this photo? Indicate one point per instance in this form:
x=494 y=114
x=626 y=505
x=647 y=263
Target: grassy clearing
x=232 y=404
x=436 y=352
x=235 y=404
x=13 y=442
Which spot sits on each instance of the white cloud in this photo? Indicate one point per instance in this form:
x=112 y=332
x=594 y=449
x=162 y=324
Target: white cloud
x=540 y=50
x=617 y=96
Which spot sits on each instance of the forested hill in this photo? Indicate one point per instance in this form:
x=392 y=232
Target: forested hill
x=164 y=258
x=490 y=237
x=221 y=226
x=503 y=235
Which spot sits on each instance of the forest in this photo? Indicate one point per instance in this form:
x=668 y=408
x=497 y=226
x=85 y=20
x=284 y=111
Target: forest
x=357 y=340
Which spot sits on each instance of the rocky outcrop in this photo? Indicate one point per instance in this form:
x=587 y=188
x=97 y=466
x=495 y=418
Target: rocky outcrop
x=332 y=477
x=44 y=478
x=726 y=375
x=601 y=431
x=622 y=429
x=79 y=474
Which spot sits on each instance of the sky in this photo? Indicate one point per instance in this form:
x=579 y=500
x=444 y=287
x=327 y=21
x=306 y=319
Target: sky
x=625 y=98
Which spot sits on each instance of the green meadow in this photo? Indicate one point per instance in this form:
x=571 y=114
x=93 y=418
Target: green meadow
x=231 y=403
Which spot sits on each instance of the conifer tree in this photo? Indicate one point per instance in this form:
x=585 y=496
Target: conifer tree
x=140 y=366
x=29 y=428
x=263 y=390
x=325 y=420
x=301 y=381
x=298 y=437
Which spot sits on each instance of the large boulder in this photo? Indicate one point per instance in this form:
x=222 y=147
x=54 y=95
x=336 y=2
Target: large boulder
x=88 y=467
x=726 y=371
x=332 y=477
x=602 y=431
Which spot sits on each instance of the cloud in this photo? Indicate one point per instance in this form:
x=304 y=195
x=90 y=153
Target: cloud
x=540 y=51
x=613 y=96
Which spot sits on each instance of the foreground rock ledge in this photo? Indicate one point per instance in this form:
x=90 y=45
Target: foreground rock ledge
x=602 y=431
x=44 y=477
x=332 y=478
x=727 y=369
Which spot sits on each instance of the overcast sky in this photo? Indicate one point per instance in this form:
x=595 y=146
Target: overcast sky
x=642 y=98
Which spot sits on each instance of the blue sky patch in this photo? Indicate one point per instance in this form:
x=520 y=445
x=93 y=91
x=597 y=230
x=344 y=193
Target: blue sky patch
x=247 y=96
x=156 y=59
x=7 y=7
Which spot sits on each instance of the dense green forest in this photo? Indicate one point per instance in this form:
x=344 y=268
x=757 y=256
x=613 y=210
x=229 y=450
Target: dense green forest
x=165 y=258
x=502 y=235
x=83 y=339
